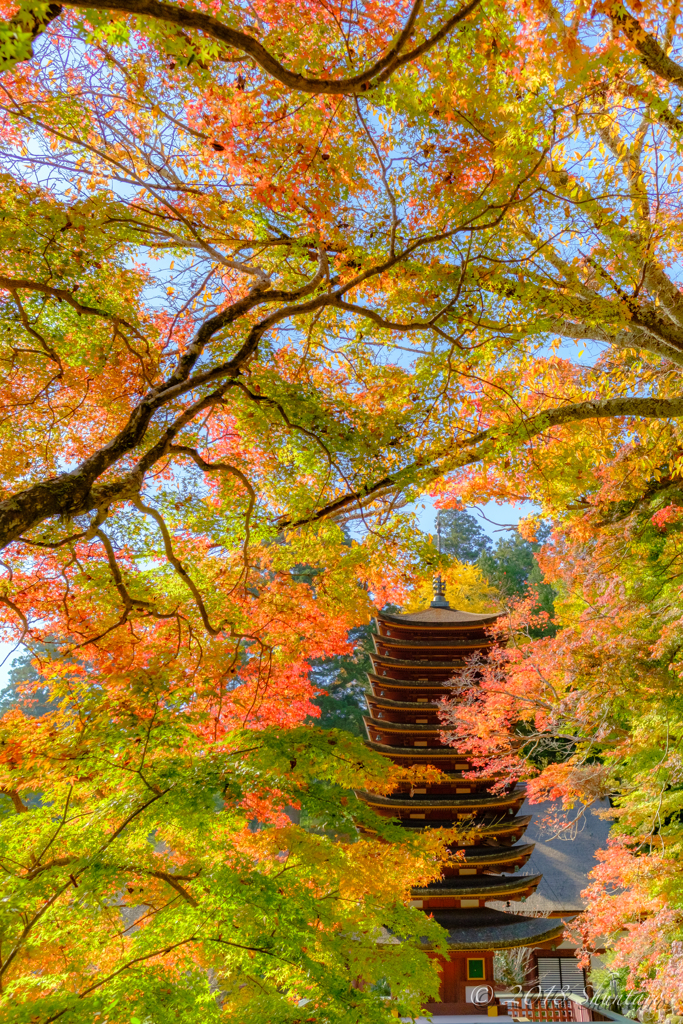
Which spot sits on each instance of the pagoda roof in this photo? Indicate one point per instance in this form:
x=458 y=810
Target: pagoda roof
x=485 y=928
x=493 y=829
x=412 y=684
x=386 y=659
x=463 y=801
x=565 y=866
x=483 y=855
x=484 y=886
x=384 y=725
x=441 y=642
x=439 y=617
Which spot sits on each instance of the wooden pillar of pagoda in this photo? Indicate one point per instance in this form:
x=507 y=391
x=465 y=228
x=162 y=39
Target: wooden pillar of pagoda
x=416 y=657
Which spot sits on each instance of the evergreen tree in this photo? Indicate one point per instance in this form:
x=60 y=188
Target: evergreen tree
x=343 y=680
x=513 y=569
x=462 y=536
x=511 y=566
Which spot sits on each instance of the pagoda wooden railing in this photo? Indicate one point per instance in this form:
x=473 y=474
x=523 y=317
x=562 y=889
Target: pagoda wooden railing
x=546 y=1008
x=565 y=1007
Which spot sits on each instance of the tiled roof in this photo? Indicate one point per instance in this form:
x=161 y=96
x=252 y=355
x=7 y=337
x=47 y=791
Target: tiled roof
x=564 y=862
x=479 y=885
x=442 y=617
x=491 y=929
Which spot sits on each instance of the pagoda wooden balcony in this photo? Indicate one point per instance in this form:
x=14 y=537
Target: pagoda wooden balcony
x=403 y=711
x=410 y=649
x=444 y=758
x=455 y=784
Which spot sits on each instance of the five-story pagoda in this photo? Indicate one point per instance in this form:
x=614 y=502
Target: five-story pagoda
x=415 y=656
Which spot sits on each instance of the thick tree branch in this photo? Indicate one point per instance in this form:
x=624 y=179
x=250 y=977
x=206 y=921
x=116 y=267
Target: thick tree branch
x=198 y=21
x=669 y=295
x=19 y=806
x=70 y=493
x=654 y=104
x=652 y=54
x=13 y=285
x=75 y=492
x=578 y=311
x=487 y=442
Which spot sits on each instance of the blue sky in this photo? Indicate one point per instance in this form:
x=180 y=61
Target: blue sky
x=495 y=519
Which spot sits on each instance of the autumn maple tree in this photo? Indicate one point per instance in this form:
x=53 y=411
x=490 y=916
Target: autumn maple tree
x=201 y=253
x=269 y=271
x=594 y=711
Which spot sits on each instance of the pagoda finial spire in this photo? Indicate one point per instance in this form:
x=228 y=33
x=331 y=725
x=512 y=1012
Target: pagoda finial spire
x=439 y=588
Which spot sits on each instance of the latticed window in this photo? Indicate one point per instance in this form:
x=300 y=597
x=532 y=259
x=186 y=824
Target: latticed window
x=558 y=973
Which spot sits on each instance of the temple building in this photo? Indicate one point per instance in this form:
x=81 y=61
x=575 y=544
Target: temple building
x=416 y=655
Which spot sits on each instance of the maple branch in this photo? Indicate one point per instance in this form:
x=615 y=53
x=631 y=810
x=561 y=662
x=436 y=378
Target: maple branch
x=174 y=882
x=223 y=467
x=125 y=967
x=178 y=565
x=213 y=467
x=13 y=285
x=253 y=949
x=389 y=325
x=59 y=828
x=74 y=492
x=164 y=876
x=18 y=612
x=274 y=404
x=652 y=55
x=129 y=602
x=163 y=952
x=48 y=350
x=40 y=913
x=385 y=180
x=379 y=72
x=485 y=443
x=57 y=862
